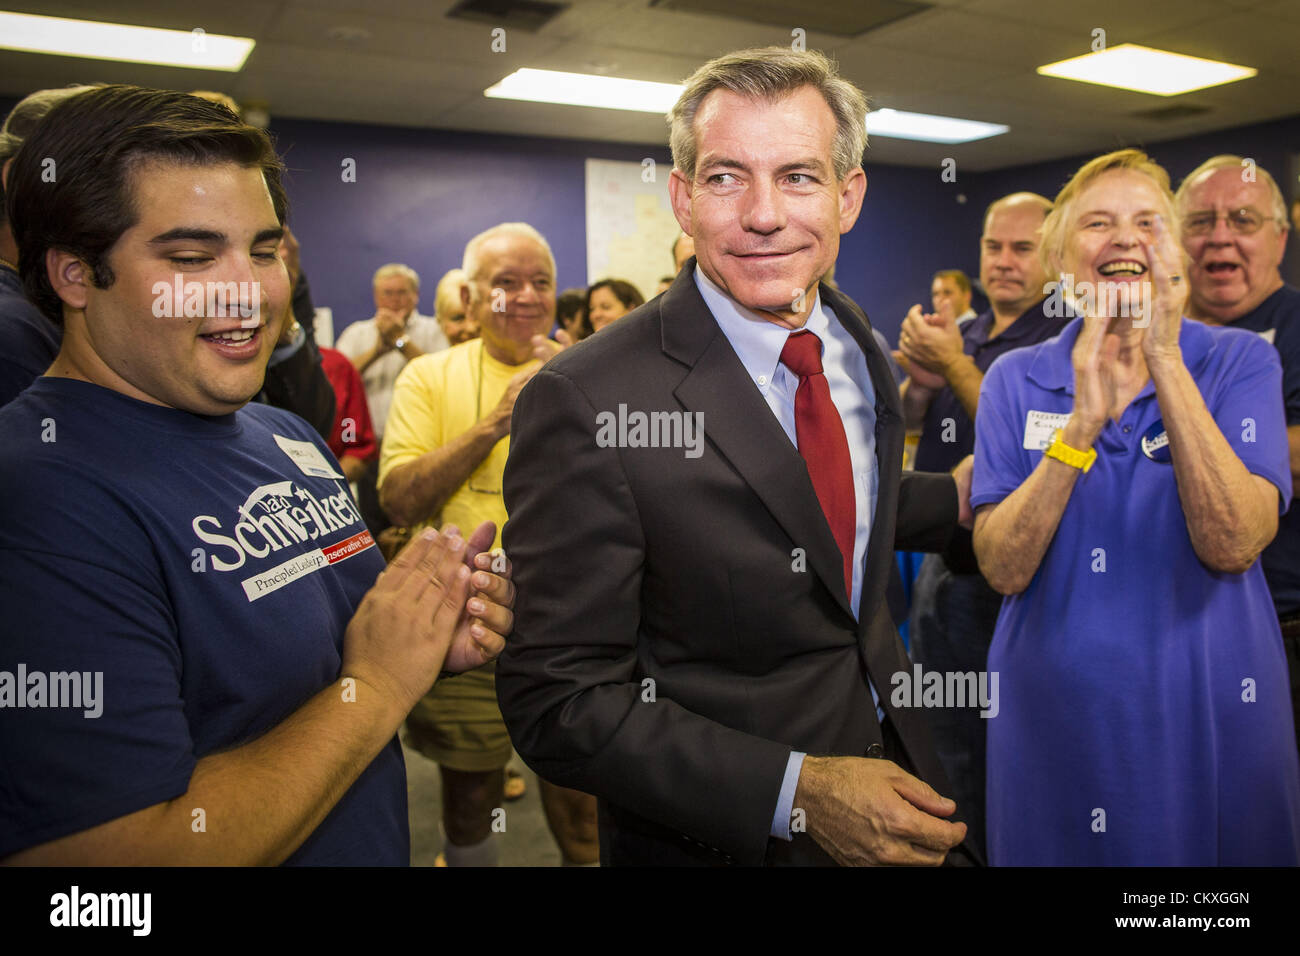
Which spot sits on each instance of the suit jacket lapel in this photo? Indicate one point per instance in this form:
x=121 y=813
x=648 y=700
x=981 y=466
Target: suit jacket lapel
x=741 y=426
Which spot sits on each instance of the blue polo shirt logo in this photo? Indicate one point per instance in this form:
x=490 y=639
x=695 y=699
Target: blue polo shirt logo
x=1155 y=442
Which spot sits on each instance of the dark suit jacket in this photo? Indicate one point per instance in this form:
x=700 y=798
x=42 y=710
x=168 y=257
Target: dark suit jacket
x=667 y=654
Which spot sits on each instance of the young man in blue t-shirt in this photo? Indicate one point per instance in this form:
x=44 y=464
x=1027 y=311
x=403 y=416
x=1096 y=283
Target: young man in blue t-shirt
x=197 y=663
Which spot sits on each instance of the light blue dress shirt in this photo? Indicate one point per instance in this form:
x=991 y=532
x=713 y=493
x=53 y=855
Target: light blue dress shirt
x=758 y=343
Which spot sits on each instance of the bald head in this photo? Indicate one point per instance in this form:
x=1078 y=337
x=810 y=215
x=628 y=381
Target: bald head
x=1010 y=270
x=1021 y=200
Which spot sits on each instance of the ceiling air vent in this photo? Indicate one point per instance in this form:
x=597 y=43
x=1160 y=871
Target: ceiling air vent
x=1168 y=114
x=846 y=18
x=529 y=15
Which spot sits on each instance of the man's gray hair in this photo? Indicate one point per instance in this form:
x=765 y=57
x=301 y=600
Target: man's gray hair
x=398 y=269
x=1229 y=161
x=771 y=73
x=471 y=261
x=25 y=117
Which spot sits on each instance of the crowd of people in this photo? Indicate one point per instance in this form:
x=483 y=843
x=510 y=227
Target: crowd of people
x=257 y=558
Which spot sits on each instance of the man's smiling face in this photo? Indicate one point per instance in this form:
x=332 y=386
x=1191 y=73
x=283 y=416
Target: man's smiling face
x=201 y=223
x=765 y=209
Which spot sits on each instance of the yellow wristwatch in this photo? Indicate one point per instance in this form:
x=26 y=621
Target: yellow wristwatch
x=1062 y=452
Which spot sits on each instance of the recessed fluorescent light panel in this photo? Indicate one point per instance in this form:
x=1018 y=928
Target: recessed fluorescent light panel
x=115 y=41
x=929 y=129
x=581 y=89
x=1141 y=68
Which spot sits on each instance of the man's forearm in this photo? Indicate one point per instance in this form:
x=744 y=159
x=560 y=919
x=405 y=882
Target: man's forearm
x=1229 y=521
x=353 y=467
x=418 y=489
x=260 y=801
x=363 y=362
x=916 y=402
x=964 y=378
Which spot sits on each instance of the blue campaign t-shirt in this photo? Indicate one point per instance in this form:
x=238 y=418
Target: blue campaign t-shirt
x=201 y=573
x=29 y=342
x=948 y=434
x=1277 y=320
x=1139 y=689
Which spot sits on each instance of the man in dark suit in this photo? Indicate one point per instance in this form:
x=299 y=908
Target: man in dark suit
x=704 y=504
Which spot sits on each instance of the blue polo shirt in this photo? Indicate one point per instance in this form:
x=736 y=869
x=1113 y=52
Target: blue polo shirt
x=1277 y=320
x=942 y=445
x=1141 y=693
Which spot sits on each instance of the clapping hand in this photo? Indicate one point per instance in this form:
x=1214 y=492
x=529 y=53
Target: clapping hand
x=928 y=342
x=1163 y=324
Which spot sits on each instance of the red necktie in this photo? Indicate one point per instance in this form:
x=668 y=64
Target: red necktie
x=822 y=443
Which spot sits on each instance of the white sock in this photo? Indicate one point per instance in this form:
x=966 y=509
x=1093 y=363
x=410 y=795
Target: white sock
x=478 y=854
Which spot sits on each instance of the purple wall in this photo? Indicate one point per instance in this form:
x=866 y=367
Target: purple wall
x=420 y=194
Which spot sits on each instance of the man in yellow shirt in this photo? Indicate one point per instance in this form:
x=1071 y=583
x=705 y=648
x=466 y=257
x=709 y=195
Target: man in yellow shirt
x=444 y=452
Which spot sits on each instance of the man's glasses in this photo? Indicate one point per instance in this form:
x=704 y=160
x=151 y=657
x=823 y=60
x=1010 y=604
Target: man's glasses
x=1243 y=222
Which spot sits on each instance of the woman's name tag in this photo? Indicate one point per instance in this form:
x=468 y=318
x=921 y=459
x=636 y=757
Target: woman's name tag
x=1040 y=426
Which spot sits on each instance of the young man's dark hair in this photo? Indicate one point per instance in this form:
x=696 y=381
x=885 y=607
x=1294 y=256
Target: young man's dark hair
x=62 y=196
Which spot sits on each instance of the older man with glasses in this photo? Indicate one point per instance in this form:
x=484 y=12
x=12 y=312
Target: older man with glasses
x=1234 y=228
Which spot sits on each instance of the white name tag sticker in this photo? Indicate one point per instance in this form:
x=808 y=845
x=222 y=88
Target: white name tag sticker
x=1268 y=335
x=1039 y=427
x=307 y=457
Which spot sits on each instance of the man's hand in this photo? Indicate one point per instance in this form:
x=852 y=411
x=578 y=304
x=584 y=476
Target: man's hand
x=400 y=634
x=869 y=812
x=921 y=376
x=546 y=349
x=506 y=407
x=391 y=325
x=931 y=340
x=480 y=632
x=962 y=476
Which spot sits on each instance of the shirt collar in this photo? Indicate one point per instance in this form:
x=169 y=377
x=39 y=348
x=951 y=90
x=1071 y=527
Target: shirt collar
x=1053 y=369
x=758 y=341
x=1026 y=323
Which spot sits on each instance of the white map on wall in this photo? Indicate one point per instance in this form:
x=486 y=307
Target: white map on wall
x=630 y=224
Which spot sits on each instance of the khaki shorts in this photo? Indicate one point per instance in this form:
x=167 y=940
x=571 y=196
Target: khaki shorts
x=459 y=725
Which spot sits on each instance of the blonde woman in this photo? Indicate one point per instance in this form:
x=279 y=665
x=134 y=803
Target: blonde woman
x=1127 y=475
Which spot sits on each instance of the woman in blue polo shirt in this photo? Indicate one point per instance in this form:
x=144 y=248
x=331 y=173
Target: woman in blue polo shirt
x=1127 y=475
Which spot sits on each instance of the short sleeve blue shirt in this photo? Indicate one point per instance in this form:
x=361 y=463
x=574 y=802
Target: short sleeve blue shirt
x=1277 y=320
x=197 y=574
x=1122 y=663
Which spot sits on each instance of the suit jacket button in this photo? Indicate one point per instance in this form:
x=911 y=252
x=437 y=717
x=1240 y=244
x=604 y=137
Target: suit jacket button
x=875 y=750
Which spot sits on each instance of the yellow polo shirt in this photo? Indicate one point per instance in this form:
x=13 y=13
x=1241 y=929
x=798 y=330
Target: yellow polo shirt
x=436 y=398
